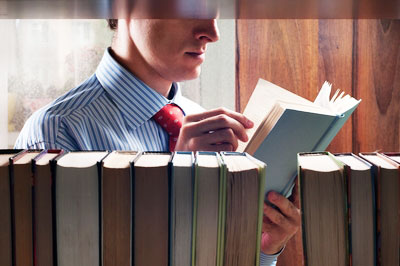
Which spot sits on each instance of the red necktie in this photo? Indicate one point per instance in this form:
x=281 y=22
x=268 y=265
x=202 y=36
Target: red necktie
x=170 y=119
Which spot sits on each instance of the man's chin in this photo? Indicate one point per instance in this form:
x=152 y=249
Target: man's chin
x=189 y=75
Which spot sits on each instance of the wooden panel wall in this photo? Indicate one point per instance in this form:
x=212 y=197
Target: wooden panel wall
x=377 y=82
x=361 y=57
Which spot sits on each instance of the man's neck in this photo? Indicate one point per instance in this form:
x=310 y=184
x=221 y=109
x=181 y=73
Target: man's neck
x=124 y=51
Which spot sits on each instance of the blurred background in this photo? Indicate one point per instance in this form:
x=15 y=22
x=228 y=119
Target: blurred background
x=42 y=59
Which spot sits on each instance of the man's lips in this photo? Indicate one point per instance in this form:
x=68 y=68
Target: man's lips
x=198 y=56
x=195 y=53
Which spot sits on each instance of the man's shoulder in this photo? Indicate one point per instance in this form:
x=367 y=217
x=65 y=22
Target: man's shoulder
x=45 y=123
x=76 y=98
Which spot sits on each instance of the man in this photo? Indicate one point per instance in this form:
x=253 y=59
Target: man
x=114 y=109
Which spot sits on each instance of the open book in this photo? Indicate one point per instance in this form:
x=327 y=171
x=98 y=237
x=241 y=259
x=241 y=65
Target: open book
x=286 y=124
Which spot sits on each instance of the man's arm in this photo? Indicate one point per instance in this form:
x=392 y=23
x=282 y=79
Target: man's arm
x=219 y=130
x=279 y=224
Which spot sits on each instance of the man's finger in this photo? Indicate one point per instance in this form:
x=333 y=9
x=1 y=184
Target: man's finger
x=221 y=147
x=212 y=124
x=208 y=143
x=247 y=123
x=268 y=225
x=285 y=206
x=276 y=217
x=219 y=137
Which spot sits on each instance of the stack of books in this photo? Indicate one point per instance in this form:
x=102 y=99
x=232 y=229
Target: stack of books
x=125 y=208
x=130 y=208
x=350 y=208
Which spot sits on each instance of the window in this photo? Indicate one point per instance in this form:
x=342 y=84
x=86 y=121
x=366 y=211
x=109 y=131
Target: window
x=42 y=59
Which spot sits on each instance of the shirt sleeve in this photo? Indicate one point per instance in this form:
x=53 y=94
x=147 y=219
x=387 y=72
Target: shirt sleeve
x=37 y=145
x=268 y=260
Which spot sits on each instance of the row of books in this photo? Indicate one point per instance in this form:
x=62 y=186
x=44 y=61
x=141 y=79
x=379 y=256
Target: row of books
x=350 y=208
x=130 y=208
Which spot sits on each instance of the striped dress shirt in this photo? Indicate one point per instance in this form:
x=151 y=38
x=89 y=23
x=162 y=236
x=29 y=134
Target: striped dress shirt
x=111 y=110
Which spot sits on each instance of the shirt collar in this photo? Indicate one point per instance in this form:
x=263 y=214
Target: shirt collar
x=137 y=101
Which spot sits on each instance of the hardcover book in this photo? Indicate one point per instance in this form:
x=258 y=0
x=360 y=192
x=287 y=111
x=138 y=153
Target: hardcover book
x=116 y=208
x=387 y=180
x=21 y=205
x=286 y=124
x=151 y=209
x=5 y=207
x=43 y=207
x=182 y=193
x=77 y=217
x=323 y=197
x=361 y=207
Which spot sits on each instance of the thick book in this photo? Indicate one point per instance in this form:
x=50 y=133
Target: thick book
x=207 y=209
x=361 y=208
x=76 y=177
x=323 y=197
x=182 y=192
x=394 y=156
x=43 y=208
x=116 y=214
x=151 y=188
x=5 y=207
x=387 y=180
x=286 y=124
x=21 y=206
x=242 y=209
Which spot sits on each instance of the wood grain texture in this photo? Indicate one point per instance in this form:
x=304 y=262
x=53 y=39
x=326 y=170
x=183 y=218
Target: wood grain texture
x=335 y=63
x=361 y=57
x=284 y=52
x=377 y=83
x=298 y=55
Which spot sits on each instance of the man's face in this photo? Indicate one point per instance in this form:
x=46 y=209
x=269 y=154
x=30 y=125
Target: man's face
x=175 y=49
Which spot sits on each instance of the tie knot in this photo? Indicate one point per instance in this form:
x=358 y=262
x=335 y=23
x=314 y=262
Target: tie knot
x=170 y=118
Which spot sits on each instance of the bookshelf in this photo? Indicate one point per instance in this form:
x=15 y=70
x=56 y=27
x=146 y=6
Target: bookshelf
x=361 y=57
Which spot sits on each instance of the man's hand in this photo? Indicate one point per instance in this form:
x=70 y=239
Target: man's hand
x=214 y=130
x=279 y=225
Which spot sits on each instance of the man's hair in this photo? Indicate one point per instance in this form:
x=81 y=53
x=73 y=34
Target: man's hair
x=113 y=23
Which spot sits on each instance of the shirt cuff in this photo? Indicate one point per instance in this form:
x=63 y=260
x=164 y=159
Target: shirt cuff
x=269 y=260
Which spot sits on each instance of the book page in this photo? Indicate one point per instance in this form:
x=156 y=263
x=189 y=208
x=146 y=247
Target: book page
x=81 y=159
x=261 y=102
x=5 y=159
x=339 y=103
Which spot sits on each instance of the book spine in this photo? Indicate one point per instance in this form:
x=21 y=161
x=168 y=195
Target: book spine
x=328 y=135
x=53 y=169
x=222 y=211
x=194 y=225
x=99 y=166
x=345 y=174
x=169 y=210
x=347 y=171
x=303 y=229
x=12 y=202
x=333 y=129
x=262 y=177
x=377 y=171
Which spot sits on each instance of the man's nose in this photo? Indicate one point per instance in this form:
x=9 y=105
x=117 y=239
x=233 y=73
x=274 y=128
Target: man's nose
x=207 y=30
